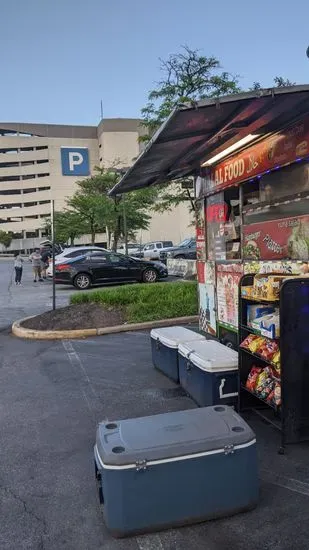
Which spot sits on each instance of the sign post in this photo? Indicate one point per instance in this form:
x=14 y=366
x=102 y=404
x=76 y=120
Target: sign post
x=52 y=218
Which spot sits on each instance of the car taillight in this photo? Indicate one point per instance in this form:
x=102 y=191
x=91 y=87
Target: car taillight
x=62 y=267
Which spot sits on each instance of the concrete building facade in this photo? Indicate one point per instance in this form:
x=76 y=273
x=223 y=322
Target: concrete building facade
x=40 y=162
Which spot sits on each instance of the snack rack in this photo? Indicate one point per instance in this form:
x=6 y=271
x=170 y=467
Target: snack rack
x=292 y=416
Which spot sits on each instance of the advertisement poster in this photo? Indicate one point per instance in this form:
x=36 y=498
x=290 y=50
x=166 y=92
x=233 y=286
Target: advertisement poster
x=200 y=268
x=210 y=273
x=217 y=216
x=285 y=267
x=228 y=277
x=200 y=231
x=286 y=238
x=288 y=146
x=207 y=308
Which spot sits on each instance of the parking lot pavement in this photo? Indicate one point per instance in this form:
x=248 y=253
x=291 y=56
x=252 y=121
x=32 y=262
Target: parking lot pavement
x=53 y=394
x=28 y=299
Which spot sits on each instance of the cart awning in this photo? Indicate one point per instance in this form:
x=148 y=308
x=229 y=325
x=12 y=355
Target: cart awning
x=199 y=130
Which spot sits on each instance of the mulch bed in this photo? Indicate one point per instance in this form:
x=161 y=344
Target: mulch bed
x=78 y=316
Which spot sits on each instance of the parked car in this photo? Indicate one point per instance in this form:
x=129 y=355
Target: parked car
x=72 y=252
x=133 y=249
x=96 y=268
x=151 y=251
x=186 y=249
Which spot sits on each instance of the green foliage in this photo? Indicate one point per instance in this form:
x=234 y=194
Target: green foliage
x=6 y=238
x=68 y=227
x=98 y=211
x=279 y=82
x=186 y=77
x=146 y=302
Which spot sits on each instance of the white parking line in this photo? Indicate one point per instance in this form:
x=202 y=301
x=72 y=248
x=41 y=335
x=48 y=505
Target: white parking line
x=88 y=392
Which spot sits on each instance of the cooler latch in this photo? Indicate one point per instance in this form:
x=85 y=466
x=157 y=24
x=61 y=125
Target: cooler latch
x=229 y=450
x=189 y=365
x=141 y=465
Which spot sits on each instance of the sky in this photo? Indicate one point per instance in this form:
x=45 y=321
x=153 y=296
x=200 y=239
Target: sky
x=60 y=58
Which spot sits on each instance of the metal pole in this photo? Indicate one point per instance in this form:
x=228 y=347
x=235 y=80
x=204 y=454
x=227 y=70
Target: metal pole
x=52 y=218
x=125 y=230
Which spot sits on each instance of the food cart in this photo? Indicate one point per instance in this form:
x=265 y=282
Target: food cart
x=255 y=205
x=249 y=157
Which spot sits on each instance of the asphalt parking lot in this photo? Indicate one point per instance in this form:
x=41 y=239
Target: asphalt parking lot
x=53 y=394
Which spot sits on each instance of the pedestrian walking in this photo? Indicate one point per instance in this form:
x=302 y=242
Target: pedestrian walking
x=35 y=258
x=18 y=266
x=45 y=257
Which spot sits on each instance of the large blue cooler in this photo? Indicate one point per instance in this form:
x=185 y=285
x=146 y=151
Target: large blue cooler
x=164 y=348
x=208 y=371
x=174 y=469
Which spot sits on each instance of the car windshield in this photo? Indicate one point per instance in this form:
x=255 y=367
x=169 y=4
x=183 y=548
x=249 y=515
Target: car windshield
x=184 y=243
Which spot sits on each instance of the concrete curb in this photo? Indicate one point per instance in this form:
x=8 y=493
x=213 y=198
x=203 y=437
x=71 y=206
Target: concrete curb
x=31 y=334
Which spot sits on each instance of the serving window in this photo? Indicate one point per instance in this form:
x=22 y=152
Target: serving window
x=223 y=225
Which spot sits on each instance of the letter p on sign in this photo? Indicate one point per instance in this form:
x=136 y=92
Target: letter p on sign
x=75 y=161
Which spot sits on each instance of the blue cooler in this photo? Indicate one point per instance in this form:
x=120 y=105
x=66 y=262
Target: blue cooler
x=173 y=469
x=164 y=348
x=208 y=371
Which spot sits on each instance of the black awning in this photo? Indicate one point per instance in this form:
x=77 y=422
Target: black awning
x=196 y=131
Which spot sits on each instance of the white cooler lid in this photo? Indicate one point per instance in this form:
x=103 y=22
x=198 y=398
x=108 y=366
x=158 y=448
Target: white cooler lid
x=209 y=355
x=173 y=336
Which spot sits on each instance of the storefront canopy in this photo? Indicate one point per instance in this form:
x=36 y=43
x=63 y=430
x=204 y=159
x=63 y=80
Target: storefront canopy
x=194 y=132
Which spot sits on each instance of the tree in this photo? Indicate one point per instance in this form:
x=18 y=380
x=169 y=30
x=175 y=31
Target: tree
x=91 y=210
x=186 y=77
x=6 y=238
x=279 y=82
x=101 y=212
x=68 y=226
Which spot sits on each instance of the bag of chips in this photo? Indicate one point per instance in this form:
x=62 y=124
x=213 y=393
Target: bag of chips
x=256 y=344
x=252 y=378
x=268 y=349
x=247 y=341
x=277 y=394
x=265 y=383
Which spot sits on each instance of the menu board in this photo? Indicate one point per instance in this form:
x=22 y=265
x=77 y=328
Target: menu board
x=277 y=239
x=228 y=277
x=288 y=267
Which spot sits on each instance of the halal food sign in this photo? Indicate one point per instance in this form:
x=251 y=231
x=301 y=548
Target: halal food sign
x=288 y=146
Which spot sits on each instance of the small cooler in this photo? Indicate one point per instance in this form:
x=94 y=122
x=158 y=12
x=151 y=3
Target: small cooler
x=174 y=469
x=208 y=371
x=164 y=348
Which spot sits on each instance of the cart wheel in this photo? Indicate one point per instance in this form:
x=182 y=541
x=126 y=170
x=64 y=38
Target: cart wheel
x=281 y=451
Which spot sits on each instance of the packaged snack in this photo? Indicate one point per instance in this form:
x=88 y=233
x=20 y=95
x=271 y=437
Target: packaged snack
x=268 y=287
x=276 y=358
x=277 y=394
x=252 y=378
x=247 y=291
x=271 y=396
x=256 y=344
x=247 y=341
x=268 y=349
x=267 y=325
x=267 y=388
x=256 y=311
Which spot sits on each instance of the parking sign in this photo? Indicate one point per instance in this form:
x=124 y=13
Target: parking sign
x=75 y=161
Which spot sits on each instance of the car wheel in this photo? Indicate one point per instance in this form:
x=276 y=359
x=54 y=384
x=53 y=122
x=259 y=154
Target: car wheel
x=180 y=257
x=82 y=281
x=150 y=276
